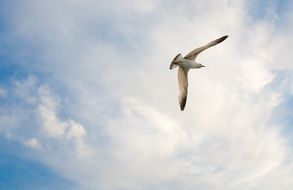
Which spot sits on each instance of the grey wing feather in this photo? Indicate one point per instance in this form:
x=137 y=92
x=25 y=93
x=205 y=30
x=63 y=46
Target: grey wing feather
x=183 y=84
x=193 y=54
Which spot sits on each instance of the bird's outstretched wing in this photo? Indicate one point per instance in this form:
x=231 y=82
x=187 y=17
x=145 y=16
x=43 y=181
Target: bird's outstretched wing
x=183 y=84
x=193 y=54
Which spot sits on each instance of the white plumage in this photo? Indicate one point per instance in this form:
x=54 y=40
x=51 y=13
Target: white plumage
x=186 y=63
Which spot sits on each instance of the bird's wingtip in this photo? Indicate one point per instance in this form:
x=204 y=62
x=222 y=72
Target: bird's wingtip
x=182 y=103
x=219 y=40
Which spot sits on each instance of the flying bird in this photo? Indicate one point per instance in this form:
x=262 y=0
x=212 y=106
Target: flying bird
x=185 y=64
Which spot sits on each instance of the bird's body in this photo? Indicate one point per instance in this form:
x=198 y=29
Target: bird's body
x=189 y=64
x=185 y=64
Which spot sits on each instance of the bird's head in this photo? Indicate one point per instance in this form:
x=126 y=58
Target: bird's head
x=200 y=65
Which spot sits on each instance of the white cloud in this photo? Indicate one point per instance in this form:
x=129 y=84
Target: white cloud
x=133 y=135
x=33 y=143
x=52 y=126
x=76 y=131
x=55 y=128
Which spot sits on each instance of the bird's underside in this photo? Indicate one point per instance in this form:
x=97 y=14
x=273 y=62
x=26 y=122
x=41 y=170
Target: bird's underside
x=183 y=69
x=183 y=84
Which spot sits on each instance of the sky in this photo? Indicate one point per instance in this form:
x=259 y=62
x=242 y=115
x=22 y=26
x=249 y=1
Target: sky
x=87 y=100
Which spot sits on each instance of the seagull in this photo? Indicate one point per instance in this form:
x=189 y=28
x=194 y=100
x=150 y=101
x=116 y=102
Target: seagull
x=186 y=63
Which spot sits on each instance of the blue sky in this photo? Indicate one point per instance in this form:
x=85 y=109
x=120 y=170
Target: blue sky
x=22 y=173
x=87 y=100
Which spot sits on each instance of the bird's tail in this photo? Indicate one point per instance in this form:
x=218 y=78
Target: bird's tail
x=175 y=61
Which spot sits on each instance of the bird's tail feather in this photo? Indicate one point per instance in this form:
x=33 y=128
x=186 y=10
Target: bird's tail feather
x=173 y=65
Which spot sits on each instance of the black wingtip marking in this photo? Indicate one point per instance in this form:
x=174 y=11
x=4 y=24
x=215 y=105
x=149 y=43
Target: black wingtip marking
x=176 y=56
x=222 y=39
x=183 y=103
x=173 y=61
